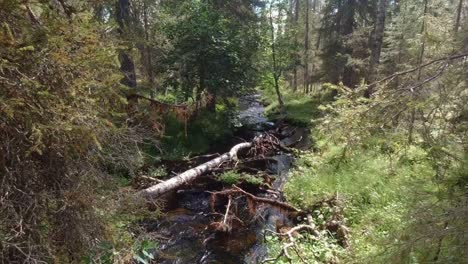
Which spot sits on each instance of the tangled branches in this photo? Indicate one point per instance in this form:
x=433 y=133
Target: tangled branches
x=252 y=200
x=265 y=144
x=323 y=221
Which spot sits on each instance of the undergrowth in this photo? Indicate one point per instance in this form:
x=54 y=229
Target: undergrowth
x=401 y=199
x=206 y=131
x=300 y=109
x=374 y=185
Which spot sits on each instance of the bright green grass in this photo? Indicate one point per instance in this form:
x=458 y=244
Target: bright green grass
x=377 y=188
x=300 y=109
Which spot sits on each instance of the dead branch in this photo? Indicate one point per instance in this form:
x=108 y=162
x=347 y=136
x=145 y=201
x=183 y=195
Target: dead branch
x=31 y=14
x=223 y=226
x=447 y=59
x=439 y=73
x=237 y=190
x=150 y=179
x=227 y=210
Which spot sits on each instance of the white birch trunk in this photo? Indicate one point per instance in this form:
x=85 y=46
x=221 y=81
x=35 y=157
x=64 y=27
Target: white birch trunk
x=191 y=174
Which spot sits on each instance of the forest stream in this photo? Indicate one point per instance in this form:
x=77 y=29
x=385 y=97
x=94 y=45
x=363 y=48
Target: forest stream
x=186 y=233
x=240 y=131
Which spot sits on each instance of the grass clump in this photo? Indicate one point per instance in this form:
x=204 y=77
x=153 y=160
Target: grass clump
x=233 y=177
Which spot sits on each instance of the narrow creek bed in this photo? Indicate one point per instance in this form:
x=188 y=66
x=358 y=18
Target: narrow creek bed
x=202 y=224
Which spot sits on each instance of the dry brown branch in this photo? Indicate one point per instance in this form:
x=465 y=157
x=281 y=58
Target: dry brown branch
x=237 y=190
x=447 y=59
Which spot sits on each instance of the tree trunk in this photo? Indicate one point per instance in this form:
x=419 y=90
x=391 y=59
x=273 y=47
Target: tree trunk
x=276 y=68
x=201 y=83
x=127 y=67
x=296 y=24
x=149 y=63
x=420 y=61
x=306 y=48
x=457 y=20
x=311 y=75
x=401 y=39
x=376 y=44
x=278 y=93
x=347 y=24
x=190 y=175
x=423 y=46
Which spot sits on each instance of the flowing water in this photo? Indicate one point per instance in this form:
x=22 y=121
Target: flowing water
x=185 y=234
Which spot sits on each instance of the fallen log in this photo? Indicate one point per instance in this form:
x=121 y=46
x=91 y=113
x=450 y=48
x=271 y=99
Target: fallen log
x=191 y=174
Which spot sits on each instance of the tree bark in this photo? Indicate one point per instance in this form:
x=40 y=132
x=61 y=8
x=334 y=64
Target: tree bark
x=149 y=63
x=276 y=67
x=306 y=48
x=457 y=20
x=127 y=67
x=420 y=62
x=347 y=25
x=190 y=175
x=376 y=44
x=296 y=24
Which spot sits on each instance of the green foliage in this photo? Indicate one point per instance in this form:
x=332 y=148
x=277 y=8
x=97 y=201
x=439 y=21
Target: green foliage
x=312 y=250
x=345 y=44
x=374 y=185
x=104 y=253
x=142 y=252
x=398 y=157
x=233 y=177
x=398 y=195
x=62 y=116
x=300 y=110
x=208 y=129
x=158 y=172
x=212 y=49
